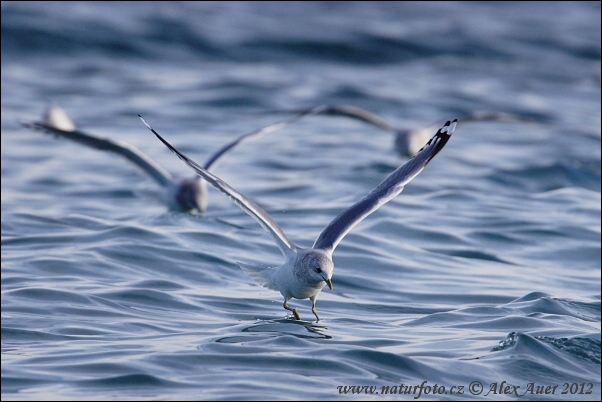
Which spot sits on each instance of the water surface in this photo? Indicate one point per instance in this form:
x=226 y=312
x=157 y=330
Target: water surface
x=485 y=269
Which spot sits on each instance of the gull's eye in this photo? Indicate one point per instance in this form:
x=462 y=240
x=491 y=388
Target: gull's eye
x=318 y=269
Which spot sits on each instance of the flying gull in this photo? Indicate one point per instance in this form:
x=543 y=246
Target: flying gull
x=188 y=195
x=409 y=140
x=307 y=270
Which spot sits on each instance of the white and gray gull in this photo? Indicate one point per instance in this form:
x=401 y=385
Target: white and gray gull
x=188 y=195
x=307 y=270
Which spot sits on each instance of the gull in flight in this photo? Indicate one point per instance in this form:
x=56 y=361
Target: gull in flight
x=307 y=270
x=188 y=195
x=408 y=141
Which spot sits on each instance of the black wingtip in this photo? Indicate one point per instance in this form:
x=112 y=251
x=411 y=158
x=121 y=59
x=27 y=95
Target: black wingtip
x=449 y=127
x=154 y=132
x=167 y=144
x=449 y=123
x=440 y=138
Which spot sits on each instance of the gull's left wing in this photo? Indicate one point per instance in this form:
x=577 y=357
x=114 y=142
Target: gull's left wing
x=384 y=192
x=128 y=151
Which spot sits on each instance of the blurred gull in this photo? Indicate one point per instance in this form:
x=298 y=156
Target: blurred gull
x=408 y=141
x=306 y=271
x=186 y=194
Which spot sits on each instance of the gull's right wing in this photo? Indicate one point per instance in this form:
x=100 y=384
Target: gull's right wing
x=254 y=210
x=215 y=158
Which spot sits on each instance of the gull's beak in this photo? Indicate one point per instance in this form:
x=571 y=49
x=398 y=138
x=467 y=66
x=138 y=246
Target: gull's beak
x=329 y=283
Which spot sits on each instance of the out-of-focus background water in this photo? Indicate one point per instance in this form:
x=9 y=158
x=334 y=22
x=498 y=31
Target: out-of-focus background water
x=486 y=268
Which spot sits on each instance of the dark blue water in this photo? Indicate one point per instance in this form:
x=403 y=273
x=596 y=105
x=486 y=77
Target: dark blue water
x=485 y=269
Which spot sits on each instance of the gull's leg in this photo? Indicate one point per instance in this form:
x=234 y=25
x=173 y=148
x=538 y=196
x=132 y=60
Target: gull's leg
x=313 y=308
x=294 y=310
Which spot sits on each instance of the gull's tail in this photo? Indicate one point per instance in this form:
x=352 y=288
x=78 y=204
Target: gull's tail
x=262 y=276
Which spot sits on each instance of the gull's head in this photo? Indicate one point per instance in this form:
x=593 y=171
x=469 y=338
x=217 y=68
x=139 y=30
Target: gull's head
x=314 y=267
x=56 y=117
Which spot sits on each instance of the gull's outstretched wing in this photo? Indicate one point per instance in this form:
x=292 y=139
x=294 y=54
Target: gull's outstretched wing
x=355 y=113
x=411 y=139
x=384 y=192
x=215 y=158
x=481 y=115
x=371 y=118
x=265 y=220
x=124 y=149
